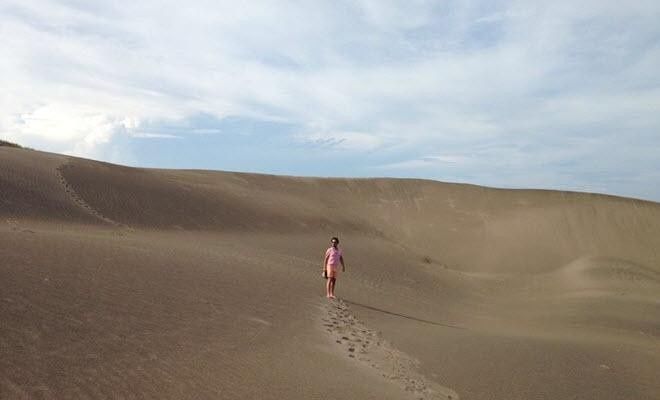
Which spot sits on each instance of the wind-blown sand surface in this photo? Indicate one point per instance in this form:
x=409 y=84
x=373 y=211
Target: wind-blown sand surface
x=134 y=283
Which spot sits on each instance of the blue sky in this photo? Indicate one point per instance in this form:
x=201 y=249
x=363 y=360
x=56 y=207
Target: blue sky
x=557 y=95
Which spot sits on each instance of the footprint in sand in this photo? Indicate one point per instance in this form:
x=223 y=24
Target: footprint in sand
x=350 y=334
x=75 y=197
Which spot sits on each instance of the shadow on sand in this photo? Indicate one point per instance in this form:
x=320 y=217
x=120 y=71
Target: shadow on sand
x=402 y=315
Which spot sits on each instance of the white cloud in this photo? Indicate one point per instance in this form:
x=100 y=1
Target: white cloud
x=353 y=141
x=77 y=129
x=147 y=135
x=386 y=14
x=501 y=16
x=440 y=161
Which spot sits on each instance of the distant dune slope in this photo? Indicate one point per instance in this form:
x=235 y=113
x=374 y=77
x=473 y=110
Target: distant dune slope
x=469 y=227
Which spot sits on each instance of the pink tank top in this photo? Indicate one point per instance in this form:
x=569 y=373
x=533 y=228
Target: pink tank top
x=333 y=255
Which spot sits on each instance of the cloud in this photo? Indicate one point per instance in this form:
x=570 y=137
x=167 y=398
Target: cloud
x=147 y=135
x=441 y=161
x=73 y=129
x=352 y=141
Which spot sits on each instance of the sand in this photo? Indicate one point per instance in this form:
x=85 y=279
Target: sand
x=133 y=283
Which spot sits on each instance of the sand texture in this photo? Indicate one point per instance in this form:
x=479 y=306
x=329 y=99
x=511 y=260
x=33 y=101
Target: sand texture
x=129 y=283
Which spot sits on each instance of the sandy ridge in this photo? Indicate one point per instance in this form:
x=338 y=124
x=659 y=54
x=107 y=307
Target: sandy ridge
x=360 y=343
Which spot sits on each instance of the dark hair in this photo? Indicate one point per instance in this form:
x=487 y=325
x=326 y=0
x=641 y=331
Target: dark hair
x=334 y=238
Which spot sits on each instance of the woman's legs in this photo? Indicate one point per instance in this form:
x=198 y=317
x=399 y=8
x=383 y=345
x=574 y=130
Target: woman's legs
x=332 y=279
x=332 y=286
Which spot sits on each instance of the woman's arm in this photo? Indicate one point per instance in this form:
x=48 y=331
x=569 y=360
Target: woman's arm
x=341 y=260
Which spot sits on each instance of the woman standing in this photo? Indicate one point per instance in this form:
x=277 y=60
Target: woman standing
x=333 y=257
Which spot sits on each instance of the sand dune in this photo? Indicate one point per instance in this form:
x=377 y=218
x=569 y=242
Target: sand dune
x=123 y=282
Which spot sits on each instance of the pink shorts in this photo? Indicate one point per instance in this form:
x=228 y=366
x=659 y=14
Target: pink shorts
x=333 y=270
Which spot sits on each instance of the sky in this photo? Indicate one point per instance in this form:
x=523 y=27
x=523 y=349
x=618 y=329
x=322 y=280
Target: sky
x=513 y=94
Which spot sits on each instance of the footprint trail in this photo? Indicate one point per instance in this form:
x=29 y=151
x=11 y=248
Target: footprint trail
x=367 y=347
x=73 y=195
